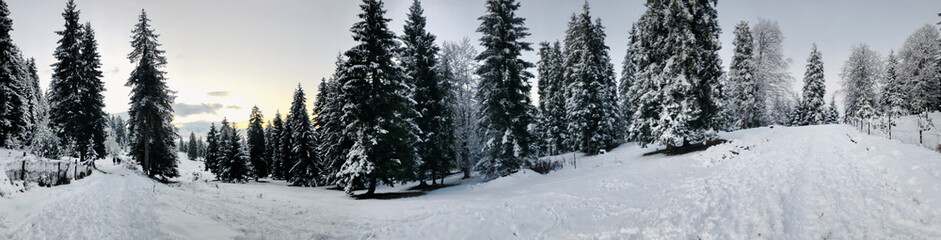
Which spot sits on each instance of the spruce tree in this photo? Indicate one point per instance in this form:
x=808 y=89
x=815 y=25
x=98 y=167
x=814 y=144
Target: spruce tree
x=431 y=95
x=628 y=72
x=893 y=94
x=284 y=141
x=91 y=93
x=274 y=145
x=302 y=158
x=76 y=99
x=378 y=111
x=832 y=114
x=13 y=98
x=503 y=90
x=66 y=79
x=743 y=89
x=256 y=144
x=333 y=144
x=213 y=154
x=151 y=112
x=594 y=118
x=181 y=145
x=191 y=149
x=676 y=91
x=811 y=111
x=233 y=164
x=550 y=121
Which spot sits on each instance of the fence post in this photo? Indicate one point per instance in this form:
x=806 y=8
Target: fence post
x=23 y=173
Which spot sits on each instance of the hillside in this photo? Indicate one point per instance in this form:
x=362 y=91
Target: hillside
x=768 y=183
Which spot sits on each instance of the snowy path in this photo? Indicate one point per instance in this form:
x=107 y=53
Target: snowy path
x=814 y=182
x=95 y=208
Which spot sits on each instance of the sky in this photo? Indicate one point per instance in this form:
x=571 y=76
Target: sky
x=225 y=56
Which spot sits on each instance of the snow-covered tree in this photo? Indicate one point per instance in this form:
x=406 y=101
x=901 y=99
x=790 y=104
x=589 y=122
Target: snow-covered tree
x=112 y=148
x=832 y=115
x=256 y=144
x=893 y=94
x=191 y=150
x=15 y=118
x=810 y=111
x=460 y=60
x=920 y=68
x=593 y=116
x=119 y=129
x=233 y=163
x=503 y=91
x=302 y=158
x=431 y=95
x=771 y=73
x=551 y=129
x=75 y=95
x=213 y=152
x=151 y=113
x=744 y=108
x=628 y=72
x=676 y=92
x=860 y=75
x=378 y=110
x=328 y=112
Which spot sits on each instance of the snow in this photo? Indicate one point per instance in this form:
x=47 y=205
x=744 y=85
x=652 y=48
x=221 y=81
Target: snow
x=810 y=182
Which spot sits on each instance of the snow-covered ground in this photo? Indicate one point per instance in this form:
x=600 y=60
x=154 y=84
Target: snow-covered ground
x=814 y=182
x=906 y=130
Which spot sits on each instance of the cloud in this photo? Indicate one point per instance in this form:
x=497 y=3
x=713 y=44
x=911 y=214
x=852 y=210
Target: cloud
x=200 y=128
x=183 y=109
x=115 y=70
x=218 y=93
x=234 y=107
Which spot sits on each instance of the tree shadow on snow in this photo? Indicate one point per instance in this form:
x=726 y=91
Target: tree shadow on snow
x=390 y=195
x=688 y=148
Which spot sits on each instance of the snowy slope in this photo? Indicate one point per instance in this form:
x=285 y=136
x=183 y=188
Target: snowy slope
x=782 y=183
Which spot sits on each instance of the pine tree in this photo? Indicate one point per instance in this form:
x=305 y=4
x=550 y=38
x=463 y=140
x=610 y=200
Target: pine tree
x=811 y=107
x=92 y=87
x=37 y=105
x=213 y=152
x=14 y=91
x=76 y=99
x=151 y=112
x=181 y=145
x=893 y=94
x=274 y=145
x=378 y=111
x=550 y=130
x=431 y=97
x=743 y=89
x=503 y=92
x=233 y=164
x=256 y=143
x=333 y=144
x=628 y=72
x=284 y=141
x=303 y=170
x=676 y=91
x=591 y=101
x=191 y=149
x=832 y=115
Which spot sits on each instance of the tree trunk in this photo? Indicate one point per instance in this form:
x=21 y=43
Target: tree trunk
x=23 y=173
x=372 y=185
x=146 y=153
